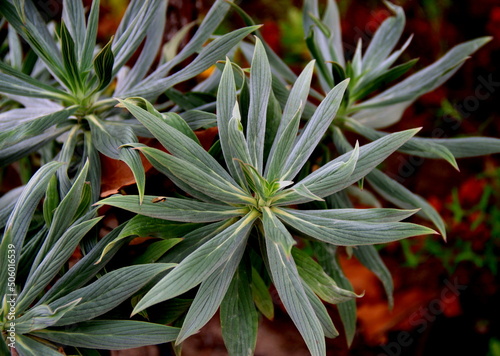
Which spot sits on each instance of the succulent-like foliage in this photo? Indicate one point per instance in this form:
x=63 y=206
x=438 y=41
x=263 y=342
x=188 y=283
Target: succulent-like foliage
x=67 y=85
x=34 y=255
x=248 y=200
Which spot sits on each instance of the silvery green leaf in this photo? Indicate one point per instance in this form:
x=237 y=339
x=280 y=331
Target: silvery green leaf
x=208 y=56
x=15 y=49
x=34 y=127
x=197 y=119
x=133 y=29
x=110 y=334
x=209 y=296
x=13 y=85
x=288 y=126
x=90 y=37
x=329 y=329
x=331 y=19
x=27 y=346
x=73 y=15
x=313 y=132
x=200 y=264
x=29 y=24
x=42 y=316
x=348 y=232
x=369 y=257
x=52 y=262
x=170 y=49
x=381 y=117
x=260 y=88
x=85 y=269
x=227 y=108
x=320 y=184
x=18 y=223
x=316 y=278
x=466 y=146
x=175 y=209
x=107 y=292
x=141 y=226
x=370 y=156
x=174 y=141
x=426 y=79
x=385 y=38
x=325 y=76
x=238 y=316
x=210 y=184
x=209 y=24
x=326 y=255
x=397 y=194
x=367 y=215
x=289 y=284
x=19 y=150
x=65 y=213
x=154 y=38
x=8 y=202
x=414 y=146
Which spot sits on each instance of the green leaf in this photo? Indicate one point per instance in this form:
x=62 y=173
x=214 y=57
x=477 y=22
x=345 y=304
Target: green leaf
x=318 y=185
x=7 y=203
x=143 y=226
x=326 y=255
x=200 y=264
x=51 y=201
x=397 y=194
x=175 y=209
x=107 y=292
x=209 y=296
x=414 y=146
x=426 y=79
x=208 y=56
x=376 y=215
x=385 y=39
x=465 y=147
x=238 y=316
x=26 y=346
x=260 y=89
x=313 y=132
x=329 y=329
x=111 y=334
x=349 y=233
x=261 y=295
x=84 y=270
x=173 y=140
x=294 y=108
x=34 y=127
x=90 y=36
x=289 y=285
x=52 y=262
x=155 y=251
x=74 y=18
x=209 y=184
x=42 y=316
x=382 y=80
x=394 y=192
x=103 y=66
x=64 y=215
x=19 y=220
x=370 y=258
x=70 y=60
x=109 y=140
x=316 y=278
